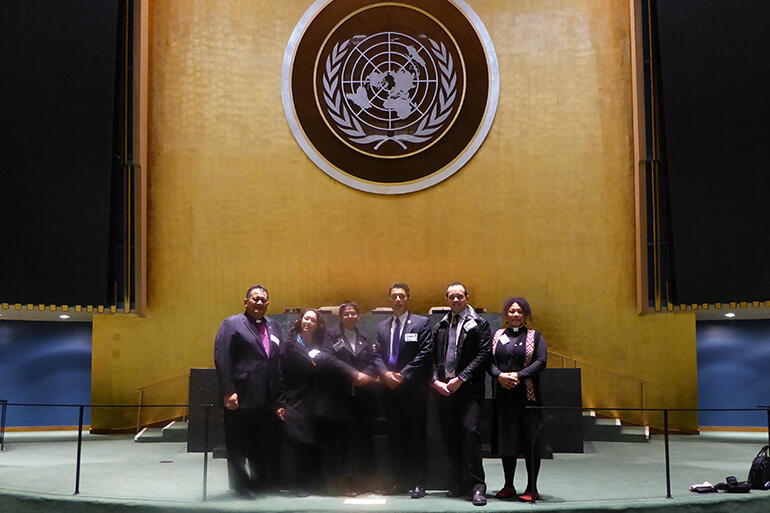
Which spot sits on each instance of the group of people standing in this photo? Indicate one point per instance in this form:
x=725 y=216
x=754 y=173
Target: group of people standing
x=321 y=383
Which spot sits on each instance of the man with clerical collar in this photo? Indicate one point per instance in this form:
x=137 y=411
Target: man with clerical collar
x=246 y=359
x=404 y=341
x=462 y=341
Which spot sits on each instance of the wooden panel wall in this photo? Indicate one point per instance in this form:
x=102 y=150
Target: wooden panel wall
x=545 y=209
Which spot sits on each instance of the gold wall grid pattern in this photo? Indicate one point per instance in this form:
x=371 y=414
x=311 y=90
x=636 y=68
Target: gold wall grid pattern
x=545 y=209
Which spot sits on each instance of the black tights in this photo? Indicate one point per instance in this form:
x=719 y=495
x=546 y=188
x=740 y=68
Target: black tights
x=533 y=469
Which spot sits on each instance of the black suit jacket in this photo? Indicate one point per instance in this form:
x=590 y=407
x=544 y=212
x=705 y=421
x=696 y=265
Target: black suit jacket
x=300 y=386
x=241 y=362
x=473 y=346
x=338 y=394
x=414 y=356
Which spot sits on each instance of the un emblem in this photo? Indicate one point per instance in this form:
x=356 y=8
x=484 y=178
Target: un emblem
x=393 y=90
x=388 y=97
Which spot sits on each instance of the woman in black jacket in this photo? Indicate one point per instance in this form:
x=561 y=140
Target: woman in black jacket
x=518 y=356
x=299 y=385
x=345 y=404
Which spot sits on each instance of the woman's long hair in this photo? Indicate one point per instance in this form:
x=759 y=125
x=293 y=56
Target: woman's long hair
x=320 y=332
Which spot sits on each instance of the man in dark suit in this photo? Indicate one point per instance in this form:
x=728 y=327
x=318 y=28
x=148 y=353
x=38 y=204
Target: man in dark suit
x=462 y=341
x=405 y=346
x=246 y=358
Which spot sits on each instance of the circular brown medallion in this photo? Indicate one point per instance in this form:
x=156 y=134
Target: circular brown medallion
x=390 y=97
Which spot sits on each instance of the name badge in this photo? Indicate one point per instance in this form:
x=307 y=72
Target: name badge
x=339 y=345
x=410 y=337
x=275 y=339
x=503 y=339
x=313 y=353
x=469 y=325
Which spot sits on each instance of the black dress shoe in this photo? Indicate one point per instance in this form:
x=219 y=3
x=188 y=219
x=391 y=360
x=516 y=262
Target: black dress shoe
x=479 y=499
x=418 y=492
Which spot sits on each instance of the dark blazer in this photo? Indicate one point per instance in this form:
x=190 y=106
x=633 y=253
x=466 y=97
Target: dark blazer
x=510 y=358
x=473 y=346
x=414 y=356
x=299 y=380
x=241 y=362
x=338 y=394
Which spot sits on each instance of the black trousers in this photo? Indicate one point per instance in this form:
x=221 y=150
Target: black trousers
x=306 y=469
x=249 y=442
x=460 y=418
x=406 y=412
x=347 y=451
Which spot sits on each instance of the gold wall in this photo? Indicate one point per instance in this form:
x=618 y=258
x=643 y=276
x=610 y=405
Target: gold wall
x=545 y=209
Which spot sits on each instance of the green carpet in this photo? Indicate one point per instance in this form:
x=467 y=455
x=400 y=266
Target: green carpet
x=37 y=473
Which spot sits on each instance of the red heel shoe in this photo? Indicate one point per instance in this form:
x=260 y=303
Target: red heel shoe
x=508 y=492
x=528 y=496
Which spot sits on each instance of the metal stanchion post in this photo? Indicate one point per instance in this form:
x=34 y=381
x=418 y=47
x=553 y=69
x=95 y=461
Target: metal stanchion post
x=80 y=443
x=4 y=402
x=668 y=461
x=206 y=452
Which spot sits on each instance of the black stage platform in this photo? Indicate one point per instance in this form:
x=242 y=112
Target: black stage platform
x=562 y=428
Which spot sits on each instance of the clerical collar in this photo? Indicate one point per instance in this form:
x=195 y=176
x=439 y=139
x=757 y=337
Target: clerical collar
x=516 y=329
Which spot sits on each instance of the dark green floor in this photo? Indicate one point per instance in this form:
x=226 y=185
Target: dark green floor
x=37 y=473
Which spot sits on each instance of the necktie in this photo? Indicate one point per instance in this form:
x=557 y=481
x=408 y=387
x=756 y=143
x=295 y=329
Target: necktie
x=395 y=343
x=451 y=351
x=262 y=330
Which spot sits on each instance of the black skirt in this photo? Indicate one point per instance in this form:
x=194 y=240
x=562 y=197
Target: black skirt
x=513 y=426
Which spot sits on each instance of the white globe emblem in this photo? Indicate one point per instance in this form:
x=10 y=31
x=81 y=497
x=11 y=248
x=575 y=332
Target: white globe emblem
x=387 y=78
x=389 y=87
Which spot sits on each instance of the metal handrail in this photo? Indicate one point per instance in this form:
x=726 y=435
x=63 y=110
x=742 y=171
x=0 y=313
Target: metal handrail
x=143 y=389
x=642 y=383
x=81 y=408
x=564 y=357
x=665 y=411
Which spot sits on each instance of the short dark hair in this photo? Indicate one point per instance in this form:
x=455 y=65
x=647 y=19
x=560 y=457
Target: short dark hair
x=399 y=285
x=465 y=289
x=523 y=303
x=349 y=304
x=320 y=332
x=257 y=287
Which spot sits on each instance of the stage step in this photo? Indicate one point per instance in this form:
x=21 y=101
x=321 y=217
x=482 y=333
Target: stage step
x=610 y=430
x=174 y=432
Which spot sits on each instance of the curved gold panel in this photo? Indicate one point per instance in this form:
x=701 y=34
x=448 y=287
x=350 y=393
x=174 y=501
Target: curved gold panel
x=545 y=209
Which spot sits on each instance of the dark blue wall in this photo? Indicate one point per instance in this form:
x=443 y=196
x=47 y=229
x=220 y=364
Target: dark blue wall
x=733 y=370
x=45 y=362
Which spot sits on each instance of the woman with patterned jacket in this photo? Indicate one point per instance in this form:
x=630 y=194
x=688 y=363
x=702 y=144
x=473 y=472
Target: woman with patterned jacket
x=518 y=356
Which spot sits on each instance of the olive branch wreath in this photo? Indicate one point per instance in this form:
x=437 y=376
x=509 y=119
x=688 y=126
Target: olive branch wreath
x=352 y=127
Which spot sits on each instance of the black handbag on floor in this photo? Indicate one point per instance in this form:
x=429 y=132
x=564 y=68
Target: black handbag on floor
x=759 y=474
